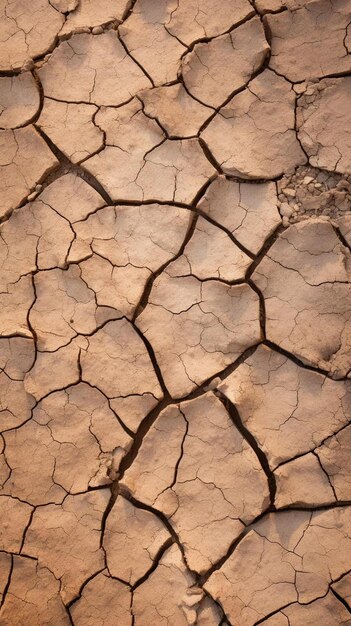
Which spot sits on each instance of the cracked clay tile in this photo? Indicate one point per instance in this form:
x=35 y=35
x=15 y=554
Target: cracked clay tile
x=153 y=471
x=304 y=279
x=319 y=478
x=138 y=163
x=132 y=409
x=17 y=355
x=308 y=41
x=37 y=485
x=210 y=253
x=177 y=112
x=326 y=610
x=5 y=570
x=323 y=114
x=54 y=370
x=169 y=596
x=89 y=13
x=33 y=597
x=335 y=459
x=117 y=362
x=148 y=41
x=72 y=439
x=19 y=100
x=66 y=539
x=94 y=69
x=25 y=159
x=248 y=210
x=214 y=70
x=104 y=601
x=193 y=19
x=71 y=127
x=64 y=307
x=27 y=30
x=123 y=245
x=132 y=540
x=129 y=129
x=72 y=197
x=253 y=135
x=287 y=408
x=302 y=482
x=196 y=469
x=343 y=588
x=282 y=560
x=173 y=171
x=4 y=468
x=130 y=135
x=14 y=518
x=243 y=599
x=64 y=6
x=34 y=237
x=16 y=300
x=197 y=329
x=119 y=288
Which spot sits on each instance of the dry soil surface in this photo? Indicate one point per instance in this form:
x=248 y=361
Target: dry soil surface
x=175 y=312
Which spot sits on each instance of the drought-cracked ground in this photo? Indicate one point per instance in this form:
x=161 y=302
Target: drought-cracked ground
x=175 y=313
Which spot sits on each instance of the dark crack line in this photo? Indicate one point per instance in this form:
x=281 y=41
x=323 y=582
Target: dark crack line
x=144 y=300
x=298 y=456
x=250 y=439
x=124 y=491
x=79 y=170
x=153 y=360
x=217 y=566
x=83 y=585
x=167 y=544
x=264 y=65
x=326 y=474
x=299 y=362
x=341 y=599
x=263 y=251
x=6 y=588
x=128 y=53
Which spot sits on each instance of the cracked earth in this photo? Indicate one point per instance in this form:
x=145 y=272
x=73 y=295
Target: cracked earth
x=175 y=320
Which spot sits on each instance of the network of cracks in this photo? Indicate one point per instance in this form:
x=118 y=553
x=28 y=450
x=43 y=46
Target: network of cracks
x=175 y=320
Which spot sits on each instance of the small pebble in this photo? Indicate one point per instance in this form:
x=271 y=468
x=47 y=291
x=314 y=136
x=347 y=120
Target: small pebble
x=32 y=196
x=300 y=88
x=97 y=30
x=286 y=210
x=290 y=193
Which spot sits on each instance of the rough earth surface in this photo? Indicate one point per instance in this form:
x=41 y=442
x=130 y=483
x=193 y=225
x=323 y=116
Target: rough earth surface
x=175 y=319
